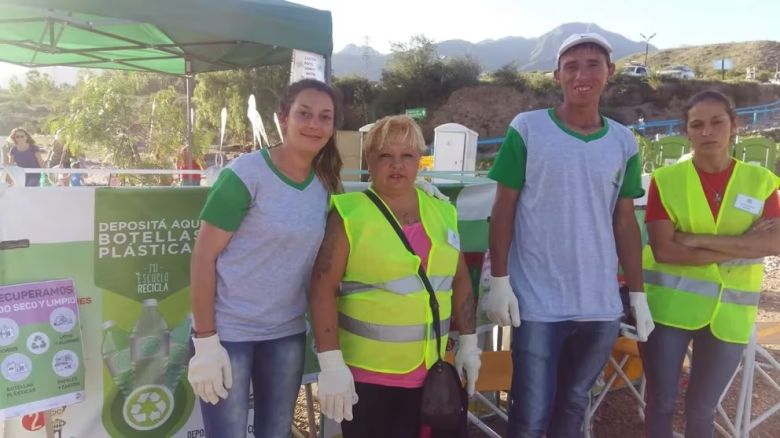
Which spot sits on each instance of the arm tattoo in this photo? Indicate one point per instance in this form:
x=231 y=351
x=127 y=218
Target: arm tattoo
x=468 y=315
x=324 y=262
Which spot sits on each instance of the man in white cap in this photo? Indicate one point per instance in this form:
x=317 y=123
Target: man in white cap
x=563 y=218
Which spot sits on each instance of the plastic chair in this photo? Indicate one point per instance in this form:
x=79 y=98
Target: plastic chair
x=670 y=149
x=756 y=150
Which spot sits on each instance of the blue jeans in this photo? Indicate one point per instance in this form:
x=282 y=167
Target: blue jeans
x=275 y=368
x=554 y=367
x=712 y=365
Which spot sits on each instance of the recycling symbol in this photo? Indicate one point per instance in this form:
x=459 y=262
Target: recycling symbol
x=38 y=342
x=148 y=407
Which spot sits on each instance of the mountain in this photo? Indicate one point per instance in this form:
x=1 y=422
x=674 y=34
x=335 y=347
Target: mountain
x=359 y=61
x=546 y=48
x=761 y=54
x=528 y=54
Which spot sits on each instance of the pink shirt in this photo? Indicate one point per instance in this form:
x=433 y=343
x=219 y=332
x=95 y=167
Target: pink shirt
x=421 y=244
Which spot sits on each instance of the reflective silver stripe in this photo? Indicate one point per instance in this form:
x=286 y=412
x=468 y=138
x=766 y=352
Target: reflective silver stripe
x=445 y=328
x=401 y=286
x=354 y=287
x=735 y=296
x=744 y=262
x=382 y=332
x=699 y=287
x=388 y=333
x=441 y=283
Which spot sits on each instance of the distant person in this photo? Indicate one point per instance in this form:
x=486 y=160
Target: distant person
x=58 y=156
x=76 y=179
x=711 y=219
x=563 y=217
x=25 y=154
x=187 y=161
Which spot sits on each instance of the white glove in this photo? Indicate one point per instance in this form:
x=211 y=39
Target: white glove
x=501 y=303
x=209 y=373
x=641 y=313
x=335 y=386
x=467 y=359
x=430 y=189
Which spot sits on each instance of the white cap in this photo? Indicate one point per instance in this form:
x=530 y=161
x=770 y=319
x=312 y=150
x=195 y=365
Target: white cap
x=583 y=38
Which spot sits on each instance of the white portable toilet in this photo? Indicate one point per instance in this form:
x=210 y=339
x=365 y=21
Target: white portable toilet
x=363 y=132
x=454 y=148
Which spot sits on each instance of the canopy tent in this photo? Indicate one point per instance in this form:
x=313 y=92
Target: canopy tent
x=177 y=37
x=159 y=36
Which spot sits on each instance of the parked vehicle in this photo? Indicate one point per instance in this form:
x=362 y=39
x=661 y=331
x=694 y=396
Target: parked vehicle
x=634 y=70
x=678 y=71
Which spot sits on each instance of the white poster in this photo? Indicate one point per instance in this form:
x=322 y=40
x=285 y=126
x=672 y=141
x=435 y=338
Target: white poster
x=307 y=65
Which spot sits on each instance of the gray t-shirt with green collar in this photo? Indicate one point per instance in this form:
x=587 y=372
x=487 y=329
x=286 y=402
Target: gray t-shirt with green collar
x=263 y=273
x=562 y=261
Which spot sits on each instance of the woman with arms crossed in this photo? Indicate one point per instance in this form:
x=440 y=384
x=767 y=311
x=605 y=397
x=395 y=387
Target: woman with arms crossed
x=710 y=220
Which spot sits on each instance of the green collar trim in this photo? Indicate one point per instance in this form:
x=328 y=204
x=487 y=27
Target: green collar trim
x=285 y=179
x=586 y=138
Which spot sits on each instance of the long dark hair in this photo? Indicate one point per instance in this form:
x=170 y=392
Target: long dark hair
x=327 y=163
x=30 y=139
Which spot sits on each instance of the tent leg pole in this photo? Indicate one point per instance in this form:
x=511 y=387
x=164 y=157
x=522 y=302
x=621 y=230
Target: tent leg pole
x=190 y=81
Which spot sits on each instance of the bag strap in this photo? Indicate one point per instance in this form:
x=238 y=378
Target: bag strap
x=420 y=272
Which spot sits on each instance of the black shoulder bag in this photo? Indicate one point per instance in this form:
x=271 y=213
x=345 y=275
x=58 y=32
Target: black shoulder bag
x=444 y=399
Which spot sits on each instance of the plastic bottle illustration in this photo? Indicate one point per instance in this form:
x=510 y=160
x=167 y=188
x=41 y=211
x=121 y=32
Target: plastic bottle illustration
x=116 y=355
x=149 y=346
x=178 y=353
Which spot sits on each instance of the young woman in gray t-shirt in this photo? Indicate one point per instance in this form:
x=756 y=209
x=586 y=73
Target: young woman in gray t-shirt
x=261 y=227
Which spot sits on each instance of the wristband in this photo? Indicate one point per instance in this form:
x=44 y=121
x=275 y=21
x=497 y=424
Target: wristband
x=203 y=334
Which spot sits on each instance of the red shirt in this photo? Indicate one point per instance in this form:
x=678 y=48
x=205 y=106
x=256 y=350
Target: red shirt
x=181 y=164
x=712 y=183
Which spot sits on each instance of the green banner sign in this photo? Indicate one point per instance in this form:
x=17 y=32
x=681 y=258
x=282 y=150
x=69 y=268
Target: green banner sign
x=417 y=113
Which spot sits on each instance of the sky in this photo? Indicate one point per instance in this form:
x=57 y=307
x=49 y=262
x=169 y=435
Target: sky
x=675 y=22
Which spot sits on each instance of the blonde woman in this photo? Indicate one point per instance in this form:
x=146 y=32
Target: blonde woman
x=370 y=310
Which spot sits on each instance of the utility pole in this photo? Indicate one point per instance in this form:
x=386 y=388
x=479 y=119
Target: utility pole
x=366 y=55
x=647 y=44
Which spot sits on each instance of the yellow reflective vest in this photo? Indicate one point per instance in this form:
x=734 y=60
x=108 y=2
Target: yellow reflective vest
x=385 y=320
x=725 y=295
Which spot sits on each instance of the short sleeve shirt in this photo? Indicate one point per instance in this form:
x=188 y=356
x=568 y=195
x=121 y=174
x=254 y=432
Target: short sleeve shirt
x=562 y=260
x=263 y=273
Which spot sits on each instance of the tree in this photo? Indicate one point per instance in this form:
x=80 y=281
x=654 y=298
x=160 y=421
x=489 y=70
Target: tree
x=231 y=89
x=416 y=76
x=31 y=101
x=113 y=118
x=358 y=95
x=508 y=75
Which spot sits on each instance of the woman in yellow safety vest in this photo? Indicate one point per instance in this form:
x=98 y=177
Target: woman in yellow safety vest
x=710 y=220
x=370 y=310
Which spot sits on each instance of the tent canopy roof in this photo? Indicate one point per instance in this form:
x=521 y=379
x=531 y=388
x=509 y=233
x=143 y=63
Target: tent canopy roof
x=159 y=35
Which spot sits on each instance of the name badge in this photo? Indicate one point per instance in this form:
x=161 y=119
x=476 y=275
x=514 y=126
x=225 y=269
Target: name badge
x=748 y=204
x=453 y=239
